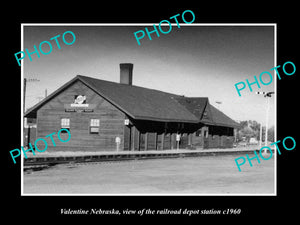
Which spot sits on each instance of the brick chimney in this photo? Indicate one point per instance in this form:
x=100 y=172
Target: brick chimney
x=126 y=73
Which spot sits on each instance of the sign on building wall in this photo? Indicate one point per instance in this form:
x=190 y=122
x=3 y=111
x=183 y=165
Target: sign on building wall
x=79 y=105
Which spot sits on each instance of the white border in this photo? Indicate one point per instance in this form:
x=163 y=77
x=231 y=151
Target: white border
x=275 y=106
x=150 y=24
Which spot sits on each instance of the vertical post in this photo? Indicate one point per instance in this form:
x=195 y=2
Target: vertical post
x=24 y=119
x=267 y=121
x=118 y=142
x=177 y=140
x=235 y=134
x=155 y=140
x=172 y=140
x=266 y=95
x=24 y=93
x=162 y=141
x=133 y=138
x=260 y=135
x=163 y=135
x=28 y=136
x=146 y=141
x=138 y=140
x=189 y=139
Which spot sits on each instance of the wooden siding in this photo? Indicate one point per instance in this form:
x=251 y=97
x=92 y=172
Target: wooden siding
x=140 y=135
x=151 y=135
x=219 y=137
x=111 y=122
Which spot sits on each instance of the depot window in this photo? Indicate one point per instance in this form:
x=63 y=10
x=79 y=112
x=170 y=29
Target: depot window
x=65 y=124
x=94 y=126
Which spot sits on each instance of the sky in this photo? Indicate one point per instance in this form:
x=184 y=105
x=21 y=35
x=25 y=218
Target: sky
x=195 y=60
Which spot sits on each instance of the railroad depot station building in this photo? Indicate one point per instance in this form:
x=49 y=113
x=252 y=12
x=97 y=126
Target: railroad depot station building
x=99 y=113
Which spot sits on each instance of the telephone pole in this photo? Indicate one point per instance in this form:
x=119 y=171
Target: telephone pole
x=24 y=89
x=24 y=95
x=267 y=95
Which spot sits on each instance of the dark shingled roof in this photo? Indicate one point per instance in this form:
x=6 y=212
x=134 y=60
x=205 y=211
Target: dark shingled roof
x=213 y=116
x=220 y=119
x=141 y=103
x=194 y=105
x=148 y=104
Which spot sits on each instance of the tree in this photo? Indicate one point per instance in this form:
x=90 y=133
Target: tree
x=251 y=128
x=245 y=132
x=271 y=134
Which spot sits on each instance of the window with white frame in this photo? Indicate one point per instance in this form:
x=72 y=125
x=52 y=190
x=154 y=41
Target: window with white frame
x=65 y=124
x=94 y=126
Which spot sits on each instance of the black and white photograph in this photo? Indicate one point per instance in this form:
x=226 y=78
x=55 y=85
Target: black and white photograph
x=160 y=117
x=149 y=112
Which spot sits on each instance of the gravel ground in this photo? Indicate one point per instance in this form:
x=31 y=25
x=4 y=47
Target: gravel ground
x=191 y=175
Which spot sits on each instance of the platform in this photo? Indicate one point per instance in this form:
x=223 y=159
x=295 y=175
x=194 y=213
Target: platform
x=52 y=158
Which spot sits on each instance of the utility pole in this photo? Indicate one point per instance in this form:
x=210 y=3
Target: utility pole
x=267 y=95
x=260 y=135
x=24 y=89
x=24 y=94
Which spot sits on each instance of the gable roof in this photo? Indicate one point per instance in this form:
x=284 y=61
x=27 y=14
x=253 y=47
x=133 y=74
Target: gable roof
x=194 y=105
x=206 y=112
x=147 y=104
x=141 y=103
x=137 y=102
x=221 y=119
